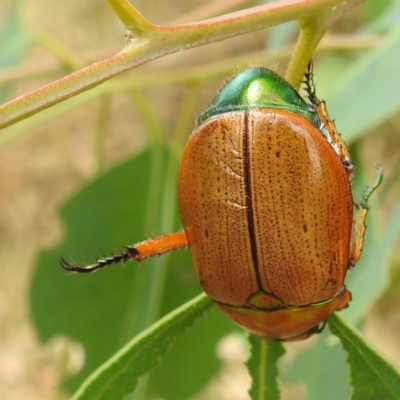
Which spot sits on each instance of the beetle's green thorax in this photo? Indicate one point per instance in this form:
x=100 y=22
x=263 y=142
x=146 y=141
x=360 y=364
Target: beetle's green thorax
x=259 y=87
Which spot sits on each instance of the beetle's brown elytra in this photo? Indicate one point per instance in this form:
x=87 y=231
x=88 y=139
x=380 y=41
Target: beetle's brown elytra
x=273 y=222
x=264 y=196
x=267 y=209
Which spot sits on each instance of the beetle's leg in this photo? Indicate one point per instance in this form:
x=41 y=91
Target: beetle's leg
x=359 y=226
x=328 y=127
x=310 y=86
x=334 y=138
x=139 y=251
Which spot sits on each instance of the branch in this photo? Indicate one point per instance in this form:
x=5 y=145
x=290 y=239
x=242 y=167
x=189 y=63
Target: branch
x=146 y=42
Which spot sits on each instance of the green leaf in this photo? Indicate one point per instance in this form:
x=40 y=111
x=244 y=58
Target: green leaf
x=17 y=39
x=367 y=94
x=104 y=310
x=388 y=15
x=367 y=282
x=100 y=310
x=374 y=9
x=263 y=368
x=120 y=374
x=322 y=368
x=182 y=373
x=373 y=378
x=371 y=276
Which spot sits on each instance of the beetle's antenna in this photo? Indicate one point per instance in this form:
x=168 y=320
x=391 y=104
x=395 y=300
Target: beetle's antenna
x=121 y=257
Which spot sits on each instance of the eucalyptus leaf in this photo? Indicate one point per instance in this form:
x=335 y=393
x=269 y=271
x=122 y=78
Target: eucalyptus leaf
x=104 y=310
x=16 y=37
x=372 y=376
x=263 y=368
x=18 y=40
x=119 y=375
x=322 y=368
x=182 y=372
x=98 y=310
x=367 y=94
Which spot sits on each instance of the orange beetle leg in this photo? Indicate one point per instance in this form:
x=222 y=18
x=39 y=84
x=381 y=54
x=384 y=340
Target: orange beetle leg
x=328 y=127
x=359 y=227
x=139 y=251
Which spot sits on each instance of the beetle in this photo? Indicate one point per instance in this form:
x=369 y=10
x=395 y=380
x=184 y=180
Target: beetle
x=267 y=209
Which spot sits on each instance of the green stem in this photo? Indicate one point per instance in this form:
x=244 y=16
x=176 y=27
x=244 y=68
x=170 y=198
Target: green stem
x=311 y=33
x=130 y=17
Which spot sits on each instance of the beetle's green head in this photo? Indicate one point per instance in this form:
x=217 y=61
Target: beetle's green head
x=259 y=87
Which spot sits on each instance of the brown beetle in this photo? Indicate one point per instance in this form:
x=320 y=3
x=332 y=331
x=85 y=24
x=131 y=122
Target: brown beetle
x=267 y=208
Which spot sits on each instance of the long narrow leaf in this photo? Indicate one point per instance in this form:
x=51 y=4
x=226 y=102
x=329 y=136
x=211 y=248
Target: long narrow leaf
x=372 y=376
x=366 y=95
x=263 y=368
x=119 y=375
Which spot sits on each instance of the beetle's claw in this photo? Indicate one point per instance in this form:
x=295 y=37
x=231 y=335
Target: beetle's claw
x=320 y=328
x=120 y=257
x=79 y=268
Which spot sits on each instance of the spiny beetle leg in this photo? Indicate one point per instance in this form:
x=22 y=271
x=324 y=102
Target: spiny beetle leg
x=139 y=251
x=360 y=215
x=310 y=86
x=328 y=125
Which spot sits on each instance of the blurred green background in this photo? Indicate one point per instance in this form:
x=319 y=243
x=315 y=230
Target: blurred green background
x=108 y=161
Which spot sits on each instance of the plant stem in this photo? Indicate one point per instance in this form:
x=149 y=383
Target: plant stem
x=146 y=42
x=130 y=17
x=311 y=33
